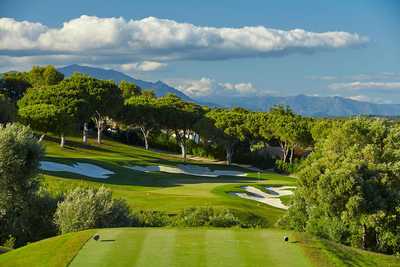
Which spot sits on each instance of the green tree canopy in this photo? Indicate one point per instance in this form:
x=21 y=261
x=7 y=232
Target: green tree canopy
x=141 y=112
x=104 y=99
x=19 y=161
x=7 y=109
x=53 y=108
x=129 y=89
x=180 y=117
x=226 y=127
x=349 y=186
x=289 y=129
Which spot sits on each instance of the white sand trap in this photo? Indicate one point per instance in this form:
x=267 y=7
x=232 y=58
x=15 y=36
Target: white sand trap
x=272 y=198
x=86 y=169
x=187 y=169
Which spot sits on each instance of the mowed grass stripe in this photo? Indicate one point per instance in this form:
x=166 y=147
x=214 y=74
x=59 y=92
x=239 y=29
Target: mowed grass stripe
x=190 y=248
x=158 y=248
x=223 y=249
x=277 y=252
x=117 y=247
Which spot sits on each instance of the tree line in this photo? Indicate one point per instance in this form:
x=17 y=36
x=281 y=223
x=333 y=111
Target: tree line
x=50 y=103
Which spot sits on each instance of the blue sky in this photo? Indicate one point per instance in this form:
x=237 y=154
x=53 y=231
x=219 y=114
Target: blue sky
x=364 y=67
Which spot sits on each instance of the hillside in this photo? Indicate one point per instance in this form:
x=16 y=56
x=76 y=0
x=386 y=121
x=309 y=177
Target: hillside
x=312 y=105
x=159 y=87
x=190 y=247
x=301 y=104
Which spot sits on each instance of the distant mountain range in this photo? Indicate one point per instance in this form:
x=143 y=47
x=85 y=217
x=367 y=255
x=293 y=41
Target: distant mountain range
x=313 y=105
x=159 y=87
x=301 y=104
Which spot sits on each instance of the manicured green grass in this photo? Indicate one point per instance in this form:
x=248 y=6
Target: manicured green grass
x=53 y=252
x=158 y=191
x=190 y=247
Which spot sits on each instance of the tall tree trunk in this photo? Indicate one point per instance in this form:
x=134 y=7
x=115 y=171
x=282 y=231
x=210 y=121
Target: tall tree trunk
x=41 y=138
x=183 y=150
x=291 y=155
x=285 y=150
x=229 y=154
x=62 y=142
x=99 y=135
x=146 y=134
x=85 y=133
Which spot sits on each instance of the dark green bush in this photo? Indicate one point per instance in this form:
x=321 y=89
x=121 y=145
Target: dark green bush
x=224 y=219
x=206 y=216
x=151 y=219
x=286 y=167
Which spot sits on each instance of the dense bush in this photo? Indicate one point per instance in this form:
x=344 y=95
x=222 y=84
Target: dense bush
x=224 y=218
x=349 y=187
x=20 y=154
x=206 y=216
x=287 y=167
x=151 y=219
x=91 y=208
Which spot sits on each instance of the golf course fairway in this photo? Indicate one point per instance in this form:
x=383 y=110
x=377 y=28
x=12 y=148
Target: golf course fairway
x=189 y=247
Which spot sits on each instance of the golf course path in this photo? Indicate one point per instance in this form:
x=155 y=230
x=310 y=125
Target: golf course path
x=190 y=247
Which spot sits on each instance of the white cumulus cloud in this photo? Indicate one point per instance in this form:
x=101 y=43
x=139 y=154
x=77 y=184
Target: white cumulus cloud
x=194 y=88
x=143 y=66
x=241 y=88
x=364 y=85
x=209 y=87
x=117 y=40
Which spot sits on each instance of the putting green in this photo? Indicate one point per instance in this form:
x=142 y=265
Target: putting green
x=190 y=247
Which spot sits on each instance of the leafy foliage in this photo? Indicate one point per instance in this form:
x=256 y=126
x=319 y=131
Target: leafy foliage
x=7 y=109
x=19 y=160
x=91 y=208
x=349 y=187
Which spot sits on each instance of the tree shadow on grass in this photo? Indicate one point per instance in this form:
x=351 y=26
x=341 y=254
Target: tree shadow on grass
x=73 y=145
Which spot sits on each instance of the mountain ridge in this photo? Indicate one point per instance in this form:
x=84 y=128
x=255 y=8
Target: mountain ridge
x=316 y=106
x=160 y=88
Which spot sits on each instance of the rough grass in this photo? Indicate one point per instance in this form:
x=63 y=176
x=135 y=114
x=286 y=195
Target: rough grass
x=157 y=191
x=325 y=253
x=53 y=252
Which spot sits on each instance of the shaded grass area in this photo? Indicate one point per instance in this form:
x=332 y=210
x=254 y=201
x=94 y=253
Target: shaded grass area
x=53 y=252
x=4 y=250
x=158 y=191
x=325 y=253
x=190 y=247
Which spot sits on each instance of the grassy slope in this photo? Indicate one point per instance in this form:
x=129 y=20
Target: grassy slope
x=53 y=252
x=157 y=191
x=4 y=250
x=324 y=253
x=190 y=247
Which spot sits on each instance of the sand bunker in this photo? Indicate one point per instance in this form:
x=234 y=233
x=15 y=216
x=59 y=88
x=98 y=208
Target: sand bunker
x=85 y=169
x=271 y=198
x=187 y=169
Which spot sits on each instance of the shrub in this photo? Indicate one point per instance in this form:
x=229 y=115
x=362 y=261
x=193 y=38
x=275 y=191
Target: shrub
x=10 y=242
x=206 y=216
x=91 y=208
x=20 y=154
x=224 y=219
x=286 y=167
x=151 y=219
